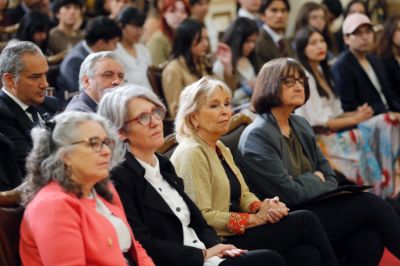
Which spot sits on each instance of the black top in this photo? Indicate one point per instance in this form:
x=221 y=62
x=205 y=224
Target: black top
x=235 y=188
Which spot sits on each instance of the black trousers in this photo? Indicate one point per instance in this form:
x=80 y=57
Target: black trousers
x=299 y=237
x=256 y=258
x=359 y=225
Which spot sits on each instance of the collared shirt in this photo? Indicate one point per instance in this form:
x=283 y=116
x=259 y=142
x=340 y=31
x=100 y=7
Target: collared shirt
x=177 y=205
x=246 y=14
x=20 y=103
x=276 y=37
x=86 y=47
x=122 y=230
x=375 y=81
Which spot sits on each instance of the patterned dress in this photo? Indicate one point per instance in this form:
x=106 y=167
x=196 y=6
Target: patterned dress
x=367 y=154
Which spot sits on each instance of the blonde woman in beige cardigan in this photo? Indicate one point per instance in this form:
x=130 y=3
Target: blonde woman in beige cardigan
x=216 y=185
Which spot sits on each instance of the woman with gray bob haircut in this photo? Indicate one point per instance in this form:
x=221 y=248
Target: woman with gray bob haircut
x=163 y=218
x=70 y=203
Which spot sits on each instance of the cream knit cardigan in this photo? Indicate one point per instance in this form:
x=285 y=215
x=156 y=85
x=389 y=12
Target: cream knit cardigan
x=206 y=182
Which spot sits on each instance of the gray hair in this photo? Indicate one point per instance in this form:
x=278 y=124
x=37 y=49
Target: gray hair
x=11 y=57
x=88 y=65
x=44 y=163
x=190 y=100
x=114 y=103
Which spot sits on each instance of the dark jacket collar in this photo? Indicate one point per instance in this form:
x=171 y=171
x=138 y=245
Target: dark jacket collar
x=16 y=110
x=88 y=101
x=298 y=129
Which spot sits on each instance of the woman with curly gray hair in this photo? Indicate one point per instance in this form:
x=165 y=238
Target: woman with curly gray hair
x=73 y=214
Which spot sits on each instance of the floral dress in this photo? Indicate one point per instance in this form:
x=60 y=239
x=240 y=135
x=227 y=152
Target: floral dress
x=367 y=154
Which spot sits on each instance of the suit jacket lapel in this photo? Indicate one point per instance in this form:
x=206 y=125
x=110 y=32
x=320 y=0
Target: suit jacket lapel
x=151 y=197
x=20 y=114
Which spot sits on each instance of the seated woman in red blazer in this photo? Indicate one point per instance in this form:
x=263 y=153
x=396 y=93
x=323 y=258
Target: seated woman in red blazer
x=73 y=214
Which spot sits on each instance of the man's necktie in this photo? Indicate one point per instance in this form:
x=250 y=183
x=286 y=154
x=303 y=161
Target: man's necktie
x=33 y=111
x=282 y=48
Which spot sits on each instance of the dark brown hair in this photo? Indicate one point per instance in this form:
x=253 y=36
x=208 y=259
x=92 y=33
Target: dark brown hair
x=267 y=91
x=385 y=42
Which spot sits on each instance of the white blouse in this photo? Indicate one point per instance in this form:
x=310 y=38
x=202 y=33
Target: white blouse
x=135 y=67
x=177 y=206
x=122 y=230
x=318 y=110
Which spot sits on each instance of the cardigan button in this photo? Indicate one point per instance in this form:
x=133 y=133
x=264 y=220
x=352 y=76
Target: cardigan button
x=195 y=241
x=178 y=209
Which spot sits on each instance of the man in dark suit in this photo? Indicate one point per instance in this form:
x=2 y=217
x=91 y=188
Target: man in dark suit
x=99 y=71
x=102 y=34
x=23 y=70
x=359 y=75
x=10 y=176
x=271 y=42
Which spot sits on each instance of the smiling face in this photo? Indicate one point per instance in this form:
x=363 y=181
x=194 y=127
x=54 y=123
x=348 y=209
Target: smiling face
x=213 y=115
x=316 y=48
x=142 y=139
x=87 y=166
x=30 y=84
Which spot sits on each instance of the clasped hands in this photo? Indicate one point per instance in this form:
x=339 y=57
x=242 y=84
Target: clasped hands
x=272 y=210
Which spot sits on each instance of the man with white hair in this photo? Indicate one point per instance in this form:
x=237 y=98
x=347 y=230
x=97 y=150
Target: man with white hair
x=99 y=71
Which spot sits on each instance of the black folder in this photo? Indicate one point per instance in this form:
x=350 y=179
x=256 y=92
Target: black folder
x=342 y=190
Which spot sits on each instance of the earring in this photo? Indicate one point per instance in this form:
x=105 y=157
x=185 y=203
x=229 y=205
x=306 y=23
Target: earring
x=196 y=127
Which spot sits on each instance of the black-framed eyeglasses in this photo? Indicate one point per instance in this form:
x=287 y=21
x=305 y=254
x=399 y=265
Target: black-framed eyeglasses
x=145 y=118
x=291 y=81
x=97 y=143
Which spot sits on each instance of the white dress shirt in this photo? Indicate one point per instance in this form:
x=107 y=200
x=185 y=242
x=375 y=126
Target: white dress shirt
x=177 y=206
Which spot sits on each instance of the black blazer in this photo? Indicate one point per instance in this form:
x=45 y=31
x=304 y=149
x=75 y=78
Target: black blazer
x=355 y=88
x=10 y=176
x=154 y=224
x=392 y=68
x=264 y=164
x=16 y=125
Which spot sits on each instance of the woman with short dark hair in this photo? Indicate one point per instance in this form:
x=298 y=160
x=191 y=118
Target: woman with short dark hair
x=279 y=156
x=216 y=185
x=134 y=56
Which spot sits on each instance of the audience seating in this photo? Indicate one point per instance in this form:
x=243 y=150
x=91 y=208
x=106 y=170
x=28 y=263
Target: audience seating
x=9 y=31
x=154 y=74
x=54 y=62
x=238 y=123
x=10 y=219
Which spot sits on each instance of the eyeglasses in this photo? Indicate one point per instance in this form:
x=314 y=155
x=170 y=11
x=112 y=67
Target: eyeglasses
x=145 y=118
x=291 y=81
x=97 y=143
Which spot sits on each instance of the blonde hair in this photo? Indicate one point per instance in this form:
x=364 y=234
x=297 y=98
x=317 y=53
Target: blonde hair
x=190 y=101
